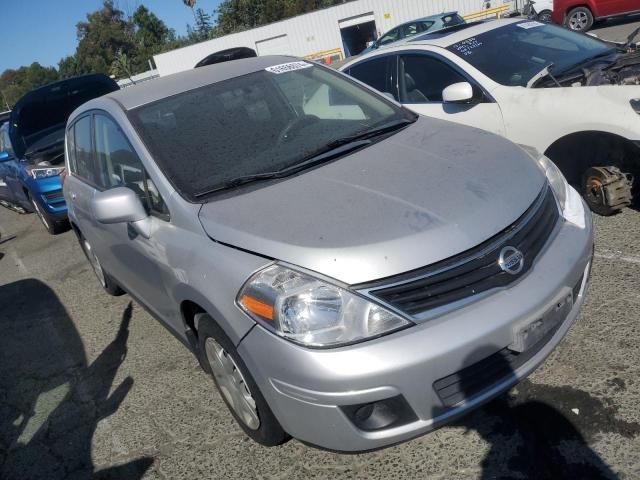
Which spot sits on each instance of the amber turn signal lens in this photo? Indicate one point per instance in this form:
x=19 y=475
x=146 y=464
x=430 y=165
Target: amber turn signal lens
x=257 y=307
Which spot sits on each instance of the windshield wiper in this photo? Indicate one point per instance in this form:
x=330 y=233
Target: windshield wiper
x=374 y=132
x=317 y=158
x=333 y=149
x=545 y=72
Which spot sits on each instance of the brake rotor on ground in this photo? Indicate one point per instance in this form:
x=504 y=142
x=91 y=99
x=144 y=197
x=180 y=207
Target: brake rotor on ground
x=607 y=190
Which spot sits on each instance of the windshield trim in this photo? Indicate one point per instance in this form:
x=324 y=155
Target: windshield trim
x=402 y=111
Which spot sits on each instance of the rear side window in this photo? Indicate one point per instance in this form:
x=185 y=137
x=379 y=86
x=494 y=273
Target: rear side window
x=377 y=73
x=83 y=165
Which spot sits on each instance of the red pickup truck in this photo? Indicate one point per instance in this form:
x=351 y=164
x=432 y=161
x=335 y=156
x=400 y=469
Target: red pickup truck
x=580 y=14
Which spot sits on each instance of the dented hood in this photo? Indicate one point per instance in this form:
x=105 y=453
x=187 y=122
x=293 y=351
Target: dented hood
x=429 y=192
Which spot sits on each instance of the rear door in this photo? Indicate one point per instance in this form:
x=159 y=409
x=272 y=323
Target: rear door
x=5 y=146
x=421 y=79
x=81 y=182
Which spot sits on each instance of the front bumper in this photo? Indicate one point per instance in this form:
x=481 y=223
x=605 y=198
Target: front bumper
x=308 y=389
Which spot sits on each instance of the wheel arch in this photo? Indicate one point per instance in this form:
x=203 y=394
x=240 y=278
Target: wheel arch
x=192 y=302
x=574 y=152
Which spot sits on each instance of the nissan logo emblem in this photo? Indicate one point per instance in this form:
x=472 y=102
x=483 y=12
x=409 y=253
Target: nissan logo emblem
x=511 y=260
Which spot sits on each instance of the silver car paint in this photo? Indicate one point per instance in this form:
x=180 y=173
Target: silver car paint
x=181 y=261
x=306 y=387
x=418 y=197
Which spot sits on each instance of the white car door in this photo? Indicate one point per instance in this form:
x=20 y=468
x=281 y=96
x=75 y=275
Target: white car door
x=421 y=79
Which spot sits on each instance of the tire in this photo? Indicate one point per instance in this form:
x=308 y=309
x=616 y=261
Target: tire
x=579 y=19
x=108 y=283
x=545 y=16
x=236 y=385
x=52 y=226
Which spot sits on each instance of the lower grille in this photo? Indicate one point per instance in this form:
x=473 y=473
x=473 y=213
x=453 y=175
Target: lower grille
x=54 y=196
x=476 y=270
x=494 y=369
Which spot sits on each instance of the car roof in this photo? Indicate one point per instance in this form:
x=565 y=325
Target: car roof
x=163 y=87
x=448 y=36
x=430 y=17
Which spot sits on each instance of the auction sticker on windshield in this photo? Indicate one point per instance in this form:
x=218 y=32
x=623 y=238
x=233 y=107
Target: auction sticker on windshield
x=528 y=25
x=288 y=67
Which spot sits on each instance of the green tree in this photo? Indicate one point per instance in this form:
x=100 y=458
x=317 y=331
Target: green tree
x=237 y=15
x=203 y=28
x=15 y=83
x=150 y=36
x=105 y=34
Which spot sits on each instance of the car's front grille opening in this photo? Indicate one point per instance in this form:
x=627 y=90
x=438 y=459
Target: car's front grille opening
x=492 y=370
x=54 y=196
x=476 y=270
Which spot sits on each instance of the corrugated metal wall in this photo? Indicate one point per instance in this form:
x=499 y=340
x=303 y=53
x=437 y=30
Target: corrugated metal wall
x=319 y=31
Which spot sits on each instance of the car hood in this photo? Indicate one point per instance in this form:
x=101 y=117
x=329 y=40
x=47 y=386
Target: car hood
x=429 y=192
x=41 y=114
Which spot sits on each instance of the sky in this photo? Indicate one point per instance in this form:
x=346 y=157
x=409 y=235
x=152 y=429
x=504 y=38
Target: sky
x=44 y=31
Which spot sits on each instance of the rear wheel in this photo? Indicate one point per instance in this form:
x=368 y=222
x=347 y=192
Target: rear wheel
x=580 y=19
x=109 y=285
x=236 y=385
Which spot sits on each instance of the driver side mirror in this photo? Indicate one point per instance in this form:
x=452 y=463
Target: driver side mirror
x=461 y=92
x=4 y=156
x=121 y=205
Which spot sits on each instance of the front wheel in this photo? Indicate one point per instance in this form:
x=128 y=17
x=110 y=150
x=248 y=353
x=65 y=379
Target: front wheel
x=580 y=19
x=52 y=226
x=236 y=385
x=607 y=190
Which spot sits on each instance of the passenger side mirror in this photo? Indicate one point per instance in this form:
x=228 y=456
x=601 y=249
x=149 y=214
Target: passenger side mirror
x=121 y=205
x=461 y=92
x=4 y=156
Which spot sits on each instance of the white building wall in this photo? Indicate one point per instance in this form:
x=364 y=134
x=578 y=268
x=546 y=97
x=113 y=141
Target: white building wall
x=318 y=31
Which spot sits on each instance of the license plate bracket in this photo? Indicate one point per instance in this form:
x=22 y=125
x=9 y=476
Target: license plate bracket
x=526 y=336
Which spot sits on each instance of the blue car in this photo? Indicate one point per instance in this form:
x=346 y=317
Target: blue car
x=414 y=27
x=32 y=147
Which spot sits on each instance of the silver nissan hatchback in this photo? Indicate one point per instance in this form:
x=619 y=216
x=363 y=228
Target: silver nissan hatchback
x=350 y=274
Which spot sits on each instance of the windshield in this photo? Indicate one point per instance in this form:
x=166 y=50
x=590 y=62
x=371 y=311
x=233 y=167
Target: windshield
x=513 y=54
x=257 y=123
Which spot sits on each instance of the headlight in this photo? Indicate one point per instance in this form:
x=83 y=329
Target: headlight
x=38 y=173
x=313 y=312
x=569 y=200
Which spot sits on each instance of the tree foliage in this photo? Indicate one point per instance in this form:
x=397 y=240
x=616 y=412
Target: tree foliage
x=15 y=83
x=237 y=15
x=113 y=43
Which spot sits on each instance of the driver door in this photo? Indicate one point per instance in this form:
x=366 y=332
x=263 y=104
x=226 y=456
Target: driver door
x=422 y=78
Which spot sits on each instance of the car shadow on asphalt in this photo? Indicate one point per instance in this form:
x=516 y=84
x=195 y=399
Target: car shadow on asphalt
x=537 y=431
x=51 y=399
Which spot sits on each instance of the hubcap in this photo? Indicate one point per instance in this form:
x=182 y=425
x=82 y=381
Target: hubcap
x=578 y=21
x=40 y=214
x=95 y=263
x=232 y=383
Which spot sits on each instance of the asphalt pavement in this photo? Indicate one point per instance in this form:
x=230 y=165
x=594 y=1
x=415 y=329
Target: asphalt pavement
x=92 y=387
